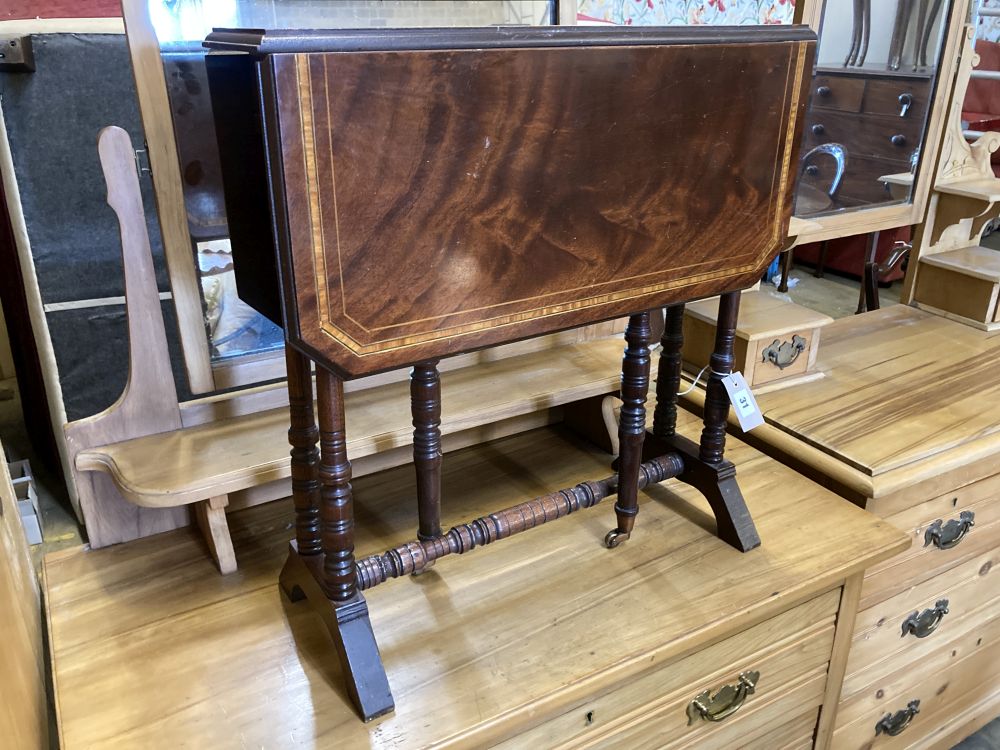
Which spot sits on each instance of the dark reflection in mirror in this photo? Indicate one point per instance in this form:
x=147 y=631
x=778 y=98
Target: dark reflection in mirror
x=234 y=329
x=872 y=91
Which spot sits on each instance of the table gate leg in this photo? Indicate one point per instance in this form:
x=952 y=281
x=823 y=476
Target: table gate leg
x=715 y=477
x=329 y=580
x=425 y=405
x=668 y=373
x=303 y=436
x=632 y=425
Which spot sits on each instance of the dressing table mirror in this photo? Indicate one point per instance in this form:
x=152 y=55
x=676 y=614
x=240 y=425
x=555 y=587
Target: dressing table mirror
x=880 y=93
x=225 y=343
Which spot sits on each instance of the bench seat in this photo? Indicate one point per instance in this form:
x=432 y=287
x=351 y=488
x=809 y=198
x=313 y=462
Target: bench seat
x=205 y=463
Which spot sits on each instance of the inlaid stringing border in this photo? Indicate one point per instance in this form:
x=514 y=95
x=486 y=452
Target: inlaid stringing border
x=307 y=128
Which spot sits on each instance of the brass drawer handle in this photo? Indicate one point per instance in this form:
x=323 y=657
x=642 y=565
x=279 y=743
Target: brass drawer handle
x=924 y=623
x=724 y=703
x=894 y=724
x=951 y=533
x=783 y=354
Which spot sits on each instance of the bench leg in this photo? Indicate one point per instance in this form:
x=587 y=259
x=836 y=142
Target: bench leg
x=211 y=516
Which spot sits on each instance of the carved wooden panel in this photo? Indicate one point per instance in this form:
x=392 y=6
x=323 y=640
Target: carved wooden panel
x=432 y=201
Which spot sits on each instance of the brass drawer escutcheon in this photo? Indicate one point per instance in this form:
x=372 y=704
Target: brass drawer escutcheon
x=949 y=534
x=783 y=354
x=894 y=724
x=922 y=624
x=724 y=703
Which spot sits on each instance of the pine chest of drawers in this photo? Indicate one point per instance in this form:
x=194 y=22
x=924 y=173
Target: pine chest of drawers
x=550 y=641
x=905 y=423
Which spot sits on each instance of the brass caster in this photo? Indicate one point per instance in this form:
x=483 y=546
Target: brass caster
x=614 y=538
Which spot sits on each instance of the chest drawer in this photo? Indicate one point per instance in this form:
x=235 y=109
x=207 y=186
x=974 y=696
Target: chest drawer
x=945 y=530
x=793 y=735
x=894 y=97
x=908 y=626
x=835 y=92
x=956 y=677
x=784 y=658
x=885 y=137
x=860 y=183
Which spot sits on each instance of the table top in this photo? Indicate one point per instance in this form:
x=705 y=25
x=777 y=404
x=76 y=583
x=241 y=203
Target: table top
x=445 y=190
x=152 y=648
x=900 y=386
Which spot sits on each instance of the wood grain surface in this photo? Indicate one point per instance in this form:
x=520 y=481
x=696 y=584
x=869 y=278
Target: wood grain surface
x=24 y=718
x=184 y=466
x=151 y=648
x=900 y=385
x=437 y=201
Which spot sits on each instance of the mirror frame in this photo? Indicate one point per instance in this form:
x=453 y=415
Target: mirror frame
x=878 y=218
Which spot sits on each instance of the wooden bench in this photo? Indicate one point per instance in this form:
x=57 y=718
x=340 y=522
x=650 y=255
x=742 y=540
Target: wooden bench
x=140 y=464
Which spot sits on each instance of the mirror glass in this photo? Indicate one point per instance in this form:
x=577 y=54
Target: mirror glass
x=234 y=329
x=873 y=85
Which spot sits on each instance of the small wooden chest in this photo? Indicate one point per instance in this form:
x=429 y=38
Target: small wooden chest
x=776 y=342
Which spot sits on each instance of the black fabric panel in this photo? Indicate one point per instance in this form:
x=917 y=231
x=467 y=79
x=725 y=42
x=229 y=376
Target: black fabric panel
x=91 y=346
x=82 y=83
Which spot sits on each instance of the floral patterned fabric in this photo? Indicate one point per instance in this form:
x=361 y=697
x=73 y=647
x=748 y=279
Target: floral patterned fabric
x=685 y=12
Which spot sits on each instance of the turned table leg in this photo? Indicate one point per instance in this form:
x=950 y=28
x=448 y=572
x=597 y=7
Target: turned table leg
x=329 y=579
x=425 y=404
x=716 y=414
x=717 y=479
x=303 y=436
x=668 y=373
x=631 y=426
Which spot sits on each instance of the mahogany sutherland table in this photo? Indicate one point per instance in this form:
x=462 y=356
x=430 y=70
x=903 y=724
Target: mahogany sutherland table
x=435 y=191
x=544 y=641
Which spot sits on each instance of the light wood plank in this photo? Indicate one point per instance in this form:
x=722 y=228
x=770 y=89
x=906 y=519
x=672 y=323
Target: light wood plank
x=838 y=660
x=901 y=385
x=148 y=404
x=23 y=705
x=980 y=262
x=211 y=517
x=476 y=649
x=185 y=466
x=157 y=124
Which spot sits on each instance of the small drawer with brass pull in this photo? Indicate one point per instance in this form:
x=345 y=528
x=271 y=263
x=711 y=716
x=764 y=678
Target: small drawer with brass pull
x=776 y=341
x=945 y=679
x=759 y=677
x=724 y=703
x=946 y=529
x=916 y=622
x=922 y=624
